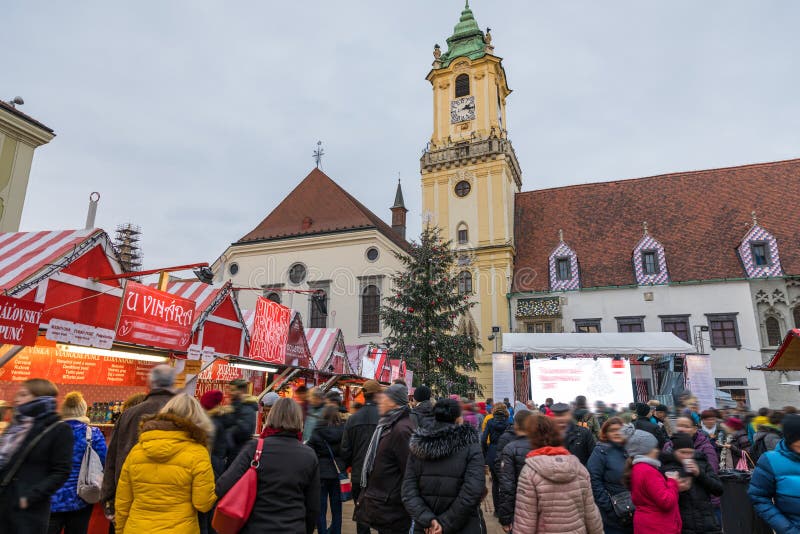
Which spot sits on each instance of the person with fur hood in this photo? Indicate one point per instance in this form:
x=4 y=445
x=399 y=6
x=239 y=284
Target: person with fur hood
x=167 y=478
x=554 y=492
x=444 y=479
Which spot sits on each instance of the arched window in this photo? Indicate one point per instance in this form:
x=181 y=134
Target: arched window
x=462 y=234
x=462 y=85
x=370 y=309
x=774 y=337
x=465 y=282
x=796 y=314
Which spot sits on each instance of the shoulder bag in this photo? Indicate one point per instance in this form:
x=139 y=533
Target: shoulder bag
x=234 y=509
x=21 y=459
x=345 y=487
x=623 y=507
x=90 y=477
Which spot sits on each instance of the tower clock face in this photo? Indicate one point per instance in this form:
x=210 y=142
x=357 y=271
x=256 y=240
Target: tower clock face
x=462 y=109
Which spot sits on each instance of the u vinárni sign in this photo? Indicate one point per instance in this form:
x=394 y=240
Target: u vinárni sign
x=155 y=318
x=270 y=332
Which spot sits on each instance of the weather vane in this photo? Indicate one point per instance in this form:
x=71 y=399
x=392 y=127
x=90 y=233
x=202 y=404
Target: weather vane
x=318 y=153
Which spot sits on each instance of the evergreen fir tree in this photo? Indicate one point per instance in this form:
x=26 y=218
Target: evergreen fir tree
x=423 y=314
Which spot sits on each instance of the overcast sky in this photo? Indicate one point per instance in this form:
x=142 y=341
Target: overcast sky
x=194 y=119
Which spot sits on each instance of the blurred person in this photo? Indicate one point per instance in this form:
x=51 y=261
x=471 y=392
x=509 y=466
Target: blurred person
x=444 y=479
x=767 y=436
x=316 y=403
x=775 y=483
x=287 y=497
x=220 y=417
x=661 y=415
x=167 y=478
x=489 y=405
x=358 y=431
x=422 y=413
x=267 y=402
x=469 y=415
x=654 y=495
x=606 y=466
x=643 y=422
x=702 y=443
x=380 y=505
x=577 y=439
x=692 y=410
x=490 y=438
x=762 y=418
x=355 y=406
x=6 y=412
x=161 y=381
x=243 y=416
x=554 y=492
x=709 y=423
x=300 y=395
x=327 y=444
x=514 y=451
x=739 y=442
x=697 y=511
x=36 y=454
x=510 y=407
x=584 y=417
x=134 y=400
x=68 y=512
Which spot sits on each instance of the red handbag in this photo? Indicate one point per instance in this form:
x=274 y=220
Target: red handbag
x=234 y=509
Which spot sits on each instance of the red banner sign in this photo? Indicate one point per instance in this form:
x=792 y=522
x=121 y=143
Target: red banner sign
x=270 y=331
x=155 y=318
x=19 y=321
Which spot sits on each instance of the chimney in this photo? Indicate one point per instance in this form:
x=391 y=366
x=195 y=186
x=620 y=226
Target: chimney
x=399 y=212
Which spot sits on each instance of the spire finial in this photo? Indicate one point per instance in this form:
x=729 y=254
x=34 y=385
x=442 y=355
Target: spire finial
x=318 y=153
x=561 y=235
x=466 y=6
x=755 y=219
x=644 y=224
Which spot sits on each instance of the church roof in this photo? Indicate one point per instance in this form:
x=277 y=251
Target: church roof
x=318 y=205
x=700 y=217
x=466 y=41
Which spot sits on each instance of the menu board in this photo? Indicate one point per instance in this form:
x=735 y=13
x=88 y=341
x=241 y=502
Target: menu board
x=74 y=368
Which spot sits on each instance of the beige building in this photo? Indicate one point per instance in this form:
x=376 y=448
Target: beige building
x=320 y=241
x=20 y=135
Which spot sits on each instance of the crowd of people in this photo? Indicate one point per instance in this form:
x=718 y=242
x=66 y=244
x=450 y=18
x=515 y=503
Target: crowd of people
x=415 y=463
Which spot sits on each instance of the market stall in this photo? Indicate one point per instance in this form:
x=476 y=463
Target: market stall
x=328 y=350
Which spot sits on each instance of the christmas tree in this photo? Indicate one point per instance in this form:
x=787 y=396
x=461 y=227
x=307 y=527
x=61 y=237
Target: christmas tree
x=423 y=313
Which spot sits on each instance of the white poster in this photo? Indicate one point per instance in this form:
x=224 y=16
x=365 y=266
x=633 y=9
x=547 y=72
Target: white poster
x=502 y=377
x=700 y=380
x=564 y=379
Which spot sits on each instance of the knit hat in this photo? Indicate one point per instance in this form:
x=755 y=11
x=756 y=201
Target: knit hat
x=371 y=387
x=398 y=393
x=734 y=423
x=642 y=409
x=269 y=399
x=422 y=393
x=641 y=443
x=791 y=428
x=211 y=399
x=662 y=408
x=708 y=414
x=447 y=411
x=73 y=405
x=681 y=440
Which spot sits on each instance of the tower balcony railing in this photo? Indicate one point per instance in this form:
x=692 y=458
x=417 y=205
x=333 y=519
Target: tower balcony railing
x=456 y=154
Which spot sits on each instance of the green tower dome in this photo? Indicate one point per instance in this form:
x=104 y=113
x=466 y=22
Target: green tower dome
x=466 y=41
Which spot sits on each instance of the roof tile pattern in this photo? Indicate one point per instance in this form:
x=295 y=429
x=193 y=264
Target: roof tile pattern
x=699 y=218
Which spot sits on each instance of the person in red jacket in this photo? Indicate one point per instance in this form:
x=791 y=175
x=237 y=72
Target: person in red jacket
x=654 y=495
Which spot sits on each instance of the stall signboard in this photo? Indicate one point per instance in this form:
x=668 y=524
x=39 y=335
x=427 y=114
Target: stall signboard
x=79 y=334
x=19 y=321
x=65 y=367
x=503 y=376
x=155 y=318
x=270 y=332
x=603 y=379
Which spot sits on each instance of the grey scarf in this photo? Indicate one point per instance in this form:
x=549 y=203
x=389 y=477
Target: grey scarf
x=647 y=460
x=384 y=424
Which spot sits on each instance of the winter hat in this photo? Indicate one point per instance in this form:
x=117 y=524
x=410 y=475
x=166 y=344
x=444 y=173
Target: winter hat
x=422 y=393
x=791 y=428
x=398 y=393
x=481 y=407
x=73 y=405
x=447 y=411
x=734 y=423
x=371 y=387
x=211 y=399
x=681 y=440
x=642 y=409
x=641 y=443
x=269 y=399
x=708 y=414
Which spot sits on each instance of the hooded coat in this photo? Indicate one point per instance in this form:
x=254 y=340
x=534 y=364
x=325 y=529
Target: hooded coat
x=775 y=489
x=358 y=431
x=656 y=500
x=327 y=440
x=509 y=466
x=166 y=479
x=444 y=479
x=243 y=424
x=491 y=437
x=423 y=414
x=554 y=495
x=697 y=512
x=223 y=440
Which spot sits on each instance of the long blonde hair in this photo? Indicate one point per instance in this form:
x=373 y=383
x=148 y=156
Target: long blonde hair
x=189 y=408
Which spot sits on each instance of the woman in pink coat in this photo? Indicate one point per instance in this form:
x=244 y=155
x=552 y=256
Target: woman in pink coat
x=654 y=495
x=554 y=492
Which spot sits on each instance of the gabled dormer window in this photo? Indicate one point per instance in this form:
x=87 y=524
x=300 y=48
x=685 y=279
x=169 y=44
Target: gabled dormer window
x=563 y=268
x=758 y=252
x=649 y=262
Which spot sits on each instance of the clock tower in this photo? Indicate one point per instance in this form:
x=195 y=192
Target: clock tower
x=470 y=175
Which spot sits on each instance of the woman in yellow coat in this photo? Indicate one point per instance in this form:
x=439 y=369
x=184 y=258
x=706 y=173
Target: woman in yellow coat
x=167 y=477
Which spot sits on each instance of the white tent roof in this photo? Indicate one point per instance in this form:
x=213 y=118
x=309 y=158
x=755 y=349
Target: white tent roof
x=600 y=343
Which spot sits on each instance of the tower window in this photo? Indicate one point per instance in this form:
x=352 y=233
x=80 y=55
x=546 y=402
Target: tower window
x=370 y=310
x=564 y=268
x=465 y=282
x=462 y=85
x=319 y=309
x=649 y=262
x=463 y=188
x=760 y=253
x=773 y=327
x=463 y=235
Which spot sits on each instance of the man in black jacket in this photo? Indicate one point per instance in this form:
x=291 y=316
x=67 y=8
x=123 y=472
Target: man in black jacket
x=578 y=440
x=357 y=433
x=510 y=462
x=643 y=422
x=243 y=417
x=423 y=411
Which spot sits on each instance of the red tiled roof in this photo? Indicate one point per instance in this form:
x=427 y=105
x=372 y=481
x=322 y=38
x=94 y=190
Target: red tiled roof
x=11 y=109
x=700 y=217
x=318 y=205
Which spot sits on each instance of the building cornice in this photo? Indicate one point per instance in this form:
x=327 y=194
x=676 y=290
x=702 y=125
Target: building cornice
x=17 y=127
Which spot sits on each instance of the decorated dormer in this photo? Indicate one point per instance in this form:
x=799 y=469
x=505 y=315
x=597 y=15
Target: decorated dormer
x=564 y=274
x=759 y=252
x=649 y=261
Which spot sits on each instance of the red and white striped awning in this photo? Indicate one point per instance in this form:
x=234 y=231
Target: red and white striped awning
x=201 y=293
x=23 y=254
x=321 y=342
